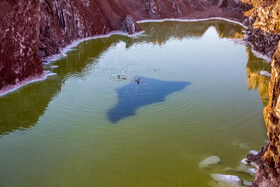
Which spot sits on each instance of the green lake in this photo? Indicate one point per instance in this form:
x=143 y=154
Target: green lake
x=200 y=94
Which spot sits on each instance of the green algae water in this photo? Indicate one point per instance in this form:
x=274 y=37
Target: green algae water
x=199 y=94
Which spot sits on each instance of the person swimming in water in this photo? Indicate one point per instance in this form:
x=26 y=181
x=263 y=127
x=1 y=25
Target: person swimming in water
x=119 y=77
x=124 y=78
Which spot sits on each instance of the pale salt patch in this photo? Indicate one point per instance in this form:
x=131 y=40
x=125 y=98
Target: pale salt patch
x=254 y=152
x=210 y=161
x=11 y=88
x=224 y=180
x=53 y=67
x=265 y=73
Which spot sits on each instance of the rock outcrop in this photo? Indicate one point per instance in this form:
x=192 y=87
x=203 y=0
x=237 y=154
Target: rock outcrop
x=263 y=27
x=19 y=59
x=40 y=28
x=265 y=22
x=262 y=42
x=63 y=21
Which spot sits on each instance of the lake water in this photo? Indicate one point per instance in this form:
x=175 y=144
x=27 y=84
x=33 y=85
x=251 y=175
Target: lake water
x=199 y=94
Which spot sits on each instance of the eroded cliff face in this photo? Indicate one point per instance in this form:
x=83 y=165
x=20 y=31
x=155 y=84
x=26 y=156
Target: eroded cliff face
x=268 y=173
x=265 y=18
x=268 y=159
x=40 y=28
x=263 y=27
x=63 y=21
x=19 y=59
x=272 y=113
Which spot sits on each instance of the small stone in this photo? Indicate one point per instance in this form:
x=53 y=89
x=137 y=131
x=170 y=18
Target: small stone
x=247 y=183
x=253 y=152
x=252 y=171
x=53 y=67
x=242 y=169
x=209 y=162
x=226 y=180
x=244 y=161
x=246 y=170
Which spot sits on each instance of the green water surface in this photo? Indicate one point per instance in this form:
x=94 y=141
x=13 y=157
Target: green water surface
x=58 y=132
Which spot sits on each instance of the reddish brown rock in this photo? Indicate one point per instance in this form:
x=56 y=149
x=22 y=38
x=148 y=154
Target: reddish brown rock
x=64 y=21
x=263 y=42
x=272 y=114
x=267 y=175
x=265 y=21
x=19 y=57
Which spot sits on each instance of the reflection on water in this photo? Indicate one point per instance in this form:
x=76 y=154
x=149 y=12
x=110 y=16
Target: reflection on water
x=133 y=96
x=254 y=79
x=24 y=107
x=180 y=30
x=192 y=102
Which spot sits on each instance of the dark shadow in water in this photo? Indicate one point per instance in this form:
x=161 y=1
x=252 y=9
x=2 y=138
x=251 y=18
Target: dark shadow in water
x=148 y=91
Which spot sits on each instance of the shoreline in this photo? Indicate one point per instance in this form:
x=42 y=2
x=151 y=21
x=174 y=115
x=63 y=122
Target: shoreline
x=11 y=88
x=75 y=43
x=63 y=51
x=67 y=48
x=192 y=20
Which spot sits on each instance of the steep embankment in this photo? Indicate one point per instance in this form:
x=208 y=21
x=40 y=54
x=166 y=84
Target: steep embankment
x=32 y=29
x=265 y=30
x=19 y=25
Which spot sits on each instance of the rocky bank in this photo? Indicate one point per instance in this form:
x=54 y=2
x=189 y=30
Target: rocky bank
x=264 y=31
